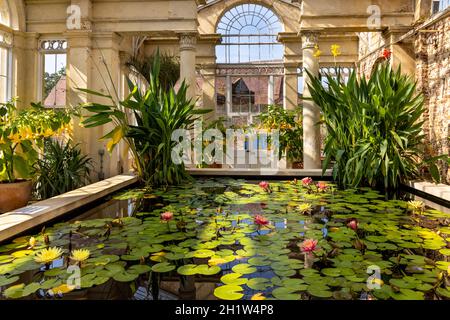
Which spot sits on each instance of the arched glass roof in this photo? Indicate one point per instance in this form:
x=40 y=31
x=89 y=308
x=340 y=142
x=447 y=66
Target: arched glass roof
x=249 y=34
x=5 y=17
x=249 y=19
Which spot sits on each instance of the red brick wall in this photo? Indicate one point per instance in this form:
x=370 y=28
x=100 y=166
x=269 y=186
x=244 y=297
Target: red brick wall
x=433 y=80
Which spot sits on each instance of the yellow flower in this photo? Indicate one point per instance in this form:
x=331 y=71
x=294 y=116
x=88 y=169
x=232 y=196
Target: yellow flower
x=317 y=52
x=336 y=50
x=26 y=133
x=2 y=141
x=258 y=296
x=32 y=242
x=48 y=255
x=416 y=205
x=305 y=208
x=15 y=138
x=80 y=255
x=48 y=133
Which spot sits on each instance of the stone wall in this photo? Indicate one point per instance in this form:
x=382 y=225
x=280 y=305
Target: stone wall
x=432 y=47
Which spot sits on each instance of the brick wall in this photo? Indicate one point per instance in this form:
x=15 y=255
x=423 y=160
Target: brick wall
x=433 y=79
x=432 y=50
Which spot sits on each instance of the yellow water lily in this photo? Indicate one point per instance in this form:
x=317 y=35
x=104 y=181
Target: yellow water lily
x=32 y=242
x=258 y=296
x=48 y=255
x=416 y=205
x=335 y=50
x=80 y=255
x=15 y=138
x=305 y=208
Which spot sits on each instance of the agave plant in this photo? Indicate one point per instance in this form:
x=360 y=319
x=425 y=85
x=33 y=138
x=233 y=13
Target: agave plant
x=374 y=127
x=157 y=113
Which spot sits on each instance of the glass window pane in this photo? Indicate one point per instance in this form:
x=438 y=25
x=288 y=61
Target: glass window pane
x=54 y=81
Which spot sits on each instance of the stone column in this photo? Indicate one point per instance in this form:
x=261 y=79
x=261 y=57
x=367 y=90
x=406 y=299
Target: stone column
x=78 y=75
x=188 y=43
x=311 y=112
x=290 y=88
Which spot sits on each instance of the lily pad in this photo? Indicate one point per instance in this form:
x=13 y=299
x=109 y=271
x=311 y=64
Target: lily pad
x=244 y=268
x=163 y=267
x=229 y=292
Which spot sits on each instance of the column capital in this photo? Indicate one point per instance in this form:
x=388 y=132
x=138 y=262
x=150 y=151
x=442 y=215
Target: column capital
x=188 y=40
x=310 y=38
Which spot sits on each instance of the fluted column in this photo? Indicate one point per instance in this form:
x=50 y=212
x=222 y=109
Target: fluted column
x=188 y=44
x=311 y=112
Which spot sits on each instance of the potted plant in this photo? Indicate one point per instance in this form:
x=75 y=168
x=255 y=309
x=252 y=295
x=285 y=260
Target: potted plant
x=290 y=129
x=22 y=134
x=218 y=124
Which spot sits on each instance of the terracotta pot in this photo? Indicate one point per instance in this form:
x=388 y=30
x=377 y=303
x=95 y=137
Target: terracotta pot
x=14 y=195
x=297 y=165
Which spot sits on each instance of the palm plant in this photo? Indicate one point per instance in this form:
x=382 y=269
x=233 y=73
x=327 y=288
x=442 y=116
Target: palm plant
x=157 y=113
x=374 y=128
x=62 y=169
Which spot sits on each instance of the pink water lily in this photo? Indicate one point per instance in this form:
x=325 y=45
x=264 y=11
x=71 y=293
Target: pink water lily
x=307 y=181
x=264 y=184
x=322 y=186
x=353 y=224
x=261 y=221
x=167 y=216
x=308 y=246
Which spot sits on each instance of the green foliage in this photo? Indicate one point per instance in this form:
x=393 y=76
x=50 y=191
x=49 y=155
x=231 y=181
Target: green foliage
x=62 y=169
x=290 y=127
x=22 y=134
x=374 y=129
x=158 y=112
x=169 y=68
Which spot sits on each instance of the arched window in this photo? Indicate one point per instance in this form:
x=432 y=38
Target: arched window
x=5 y=53
x=5 y=17
x=249 y=34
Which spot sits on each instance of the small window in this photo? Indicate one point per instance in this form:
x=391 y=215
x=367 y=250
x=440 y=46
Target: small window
x=53 y=82
x=440 y=5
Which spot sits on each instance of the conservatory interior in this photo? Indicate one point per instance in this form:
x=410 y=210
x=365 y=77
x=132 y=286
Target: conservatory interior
x=225 y=149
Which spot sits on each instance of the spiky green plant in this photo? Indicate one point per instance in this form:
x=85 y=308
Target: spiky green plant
x=158 y=112
x=62 y=168
x=374 y=127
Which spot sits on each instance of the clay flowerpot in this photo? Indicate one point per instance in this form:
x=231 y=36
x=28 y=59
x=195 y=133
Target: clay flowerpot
x=14 y=195
x=297 y=165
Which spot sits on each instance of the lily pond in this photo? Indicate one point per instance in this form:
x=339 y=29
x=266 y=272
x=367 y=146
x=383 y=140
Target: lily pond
x=235 y=239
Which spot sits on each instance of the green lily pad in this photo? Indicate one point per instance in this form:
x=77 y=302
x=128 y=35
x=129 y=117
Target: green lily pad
x=187 y=270
x=4 y=281
x=286 y=293
x=206 y=270
x=139 y=269
x=244 y=268
x=258 y=283
x=14 y=292
x=229 y=292
x=125 y=276
x=233 y=279
x=163 y=267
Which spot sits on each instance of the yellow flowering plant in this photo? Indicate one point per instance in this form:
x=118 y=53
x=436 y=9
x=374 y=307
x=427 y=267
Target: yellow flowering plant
x=22 y=136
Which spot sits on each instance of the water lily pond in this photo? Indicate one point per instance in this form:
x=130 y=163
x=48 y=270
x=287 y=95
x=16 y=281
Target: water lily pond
x=235 y=239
